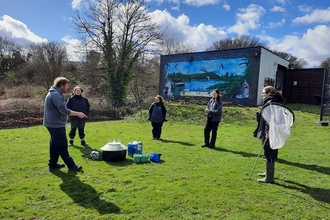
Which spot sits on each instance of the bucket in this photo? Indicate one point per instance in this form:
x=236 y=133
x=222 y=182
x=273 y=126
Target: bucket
x=139 y=147
x=132 y=147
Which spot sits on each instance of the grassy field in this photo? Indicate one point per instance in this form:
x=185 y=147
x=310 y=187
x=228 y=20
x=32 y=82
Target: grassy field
x=190 y=182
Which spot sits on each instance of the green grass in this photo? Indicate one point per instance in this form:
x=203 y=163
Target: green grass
x=190 y=183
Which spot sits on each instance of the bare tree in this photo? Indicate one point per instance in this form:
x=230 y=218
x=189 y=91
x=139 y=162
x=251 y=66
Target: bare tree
x=92 y=70
x=241 y=41
x=244 y=41
x=11 y=59
x=294 y=62
x=170 y=45
x=145 y=81
x=325 y=63
x=46 y=62
x=120 y=30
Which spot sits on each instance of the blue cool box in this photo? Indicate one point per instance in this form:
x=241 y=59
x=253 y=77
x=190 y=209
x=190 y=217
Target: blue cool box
x=131 y=149
x=134 y=147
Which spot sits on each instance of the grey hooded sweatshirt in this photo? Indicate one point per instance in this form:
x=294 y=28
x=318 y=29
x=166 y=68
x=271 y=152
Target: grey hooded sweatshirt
x=55 y=111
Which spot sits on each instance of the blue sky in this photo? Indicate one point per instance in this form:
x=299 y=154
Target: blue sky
x=300 y=27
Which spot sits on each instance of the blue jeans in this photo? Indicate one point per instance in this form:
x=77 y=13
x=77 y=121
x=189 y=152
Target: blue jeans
x=58 y=146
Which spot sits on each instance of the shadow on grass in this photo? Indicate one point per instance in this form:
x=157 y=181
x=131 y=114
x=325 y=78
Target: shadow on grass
x=242 y=153
x=85 y=150
x=126 y=162
x=129 y=161
x=177 y=142
x=312 y=167
x=318 y=194
x=83 y=194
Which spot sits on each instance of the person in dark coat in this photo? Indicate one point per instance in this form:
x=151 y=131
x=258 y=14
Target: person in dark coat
x=78 y=103
x=269 y=95
x=278 y=97
x=157 y=116
x=213 y=118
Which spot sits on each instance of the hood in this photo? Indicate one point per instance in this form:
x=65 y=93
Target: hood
x=54 y=89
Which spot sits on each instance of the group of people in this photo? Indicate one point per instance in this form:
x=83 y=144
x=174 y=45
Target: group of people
x=56 y=111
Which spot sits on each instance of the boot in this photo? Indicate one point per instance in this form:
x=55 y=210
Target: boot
x=269 y=177
x=262 y=174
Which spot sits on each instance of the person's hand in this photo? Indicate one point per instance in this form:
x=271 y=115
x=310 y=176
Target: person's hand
x=82 y=115
x=266 y=136
x=206 y=110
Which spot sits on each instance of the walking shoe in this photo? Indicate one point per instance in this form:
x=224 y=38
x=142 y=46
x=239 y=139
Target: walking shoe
x=71 y=143
x=83 y=143
x=75 y=168
x=57 y=166
x=205 y=145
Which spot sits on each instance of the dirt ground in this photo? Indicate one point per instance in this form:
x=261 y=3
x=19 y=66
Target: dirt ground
x=29 y=112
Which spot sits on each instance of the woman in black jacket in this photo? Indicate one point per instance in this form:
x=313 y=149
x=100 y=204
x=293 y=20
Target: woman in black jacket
x=157 y=116
x=214 y=113
x=78 y=103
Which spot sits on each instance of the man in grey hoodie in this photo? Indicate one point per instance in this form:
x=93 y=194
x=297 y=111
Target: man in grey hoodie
x=55 y=118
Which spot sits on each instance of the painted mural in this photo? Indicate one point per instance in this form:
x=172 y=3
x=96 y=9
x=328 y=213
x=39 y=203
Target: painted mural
x=199 y=78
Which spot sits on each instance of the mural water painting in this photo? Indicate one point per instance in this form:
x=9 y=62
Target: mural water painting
x=199 y=78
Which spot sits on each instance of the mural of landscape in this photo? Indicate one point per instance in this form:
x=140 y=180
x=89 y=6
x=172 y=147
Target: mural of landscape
x=199 y=78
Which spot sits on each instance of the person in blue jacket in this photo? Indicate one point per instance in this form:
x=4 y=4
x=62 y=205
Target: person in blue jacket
x=78 y=103
x=55 y=118
x=157 y=116
x=213 y=118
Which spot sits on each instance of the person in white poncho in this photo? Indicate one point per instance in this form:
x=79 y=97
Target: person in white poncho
x=280 y=121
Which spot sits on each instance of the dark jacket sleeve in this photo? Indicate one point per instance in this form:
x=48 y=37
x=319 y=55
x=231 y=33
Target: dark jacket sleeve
x=164 y=112
x=150 y=110
x=88 y=106
x=68 y=104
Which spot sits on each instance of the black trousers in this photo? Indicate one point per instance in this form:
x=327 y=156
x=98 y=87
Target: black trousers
x=156 y=129
x=58 y=146
x=210 y=126
x=270 y=154
x=77 y=123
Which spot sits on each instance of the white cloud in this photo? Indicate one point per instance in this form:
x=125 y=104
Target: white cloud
x=282 y=1
x=277 y=9
x=317 y=16
x=304 y=8
x=75 y=4
x=277 y=24
x=226 y=7
x=247 y=18
x=73 y=48
x=312 y=45
x=201 y=2
x=200 y=37
x=17 y=31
